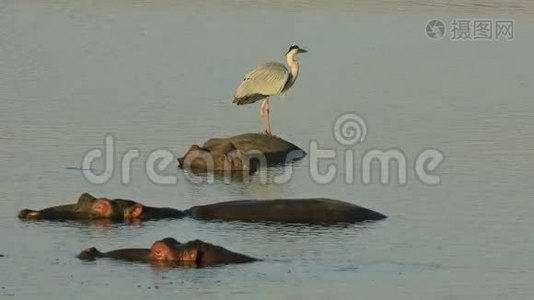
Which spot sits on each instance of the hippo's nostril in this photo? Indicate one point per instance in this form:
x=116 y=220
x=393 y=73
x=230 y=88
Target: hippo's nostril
x=23 y=213
x=159 y=254
x=29 y=214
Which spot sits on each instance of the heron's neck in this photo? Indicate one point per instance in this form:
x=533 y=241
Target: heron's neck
x=293 y=67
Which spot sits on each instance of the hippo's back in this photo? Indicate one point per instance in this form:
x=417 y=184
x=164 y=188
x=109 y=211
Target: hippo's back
x=274 y=148
x=316 y=211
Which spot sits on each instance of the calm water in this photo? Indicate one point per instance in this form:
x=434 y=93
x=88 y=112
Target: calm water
x=160 y=75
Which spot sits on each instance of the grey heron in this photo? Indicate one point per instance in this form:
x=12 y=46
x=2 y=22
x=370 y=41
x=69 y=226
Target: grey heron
x=268 y=79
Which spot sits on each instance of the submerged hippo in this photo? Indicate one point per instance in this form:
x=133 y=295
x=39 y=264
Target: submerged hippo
x=169 y=250
x=89 y=207
x=241 y=152
x=311 y=211
x=314 y=211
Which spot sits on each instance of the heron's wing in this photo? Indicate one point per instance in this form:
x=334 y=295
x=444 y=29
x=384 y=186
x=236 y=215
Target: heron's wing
x=265 y=80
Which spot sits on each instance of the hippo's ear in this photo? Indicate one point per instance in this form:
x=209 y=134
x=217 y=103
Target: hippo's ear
x=135 y=211
x=86 y=197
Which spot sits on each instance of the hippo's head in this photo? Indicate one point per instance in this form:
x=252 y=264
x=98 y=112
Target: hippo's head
x=29 y=214
x=103 y=208
x=216 y=158
x=69 y=211
x=89 y=254
x=169 y=249
x=192 y=156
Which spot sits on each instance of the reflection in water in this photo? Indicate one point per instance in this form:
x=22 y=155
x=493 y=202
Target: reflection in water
x=278 y=173
x=275 y=229
x=87 y=224
x=164 y=266
x=228 y=176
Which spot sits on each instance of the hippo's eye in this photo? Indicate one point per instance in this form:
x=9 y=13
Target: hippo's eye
x=189 y=256
x=101 y=206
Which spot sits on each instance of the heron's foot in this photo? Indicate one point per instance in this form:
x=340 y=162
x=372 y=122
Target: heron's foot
x=269 y=133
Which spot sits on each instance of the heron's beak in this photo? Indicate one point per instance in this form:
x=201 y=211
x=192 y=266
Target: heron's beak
x=303 y=50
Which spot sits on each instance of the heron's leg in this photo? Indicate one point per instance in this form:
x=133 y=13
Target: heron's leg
x=268 y=111
x=264 y=112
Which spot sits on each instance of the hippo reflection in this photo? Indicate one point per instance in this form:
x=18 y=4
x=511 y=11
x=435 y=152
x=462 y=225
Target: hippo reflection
x=170 y=251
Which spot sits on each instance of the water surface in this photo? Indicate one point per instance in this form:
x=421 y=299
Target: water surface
x=161 y=74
